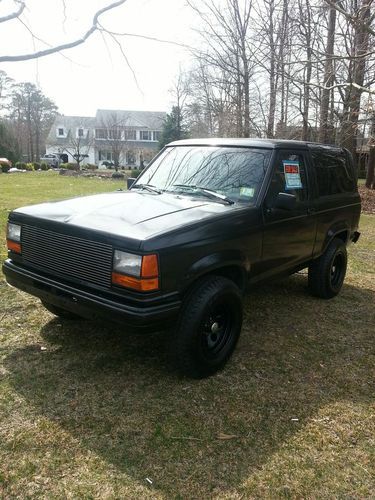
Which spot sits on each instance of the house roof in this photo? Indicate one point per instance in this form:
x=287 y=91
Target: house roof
x=152 y=120
x=145 y=119
x=69 y=123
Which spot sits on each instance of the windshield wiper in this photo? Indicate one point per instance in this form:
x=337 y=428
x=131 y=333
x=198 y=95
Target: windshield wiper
x=148 y=187
x=213 y=195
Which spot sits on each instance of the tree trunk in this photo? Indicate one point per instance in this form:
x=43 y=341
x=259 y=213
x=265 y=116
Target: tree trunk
x=370 y=175
x=306 y=98
x=239 y=112
x=324 y=132
x=246 y=128
x=283 y=50
x=357 y=75
x=308 y=69
x=272 y=73
x=37 y=142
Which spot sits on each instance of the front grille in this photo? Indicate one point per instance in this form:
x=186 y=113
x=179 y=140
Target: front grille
x=67 y=256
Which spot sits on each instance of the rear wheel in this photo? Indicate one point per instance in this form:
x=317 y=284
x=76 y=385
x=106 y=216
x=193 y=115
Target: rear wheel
x=61 y=313
x=208 y=328
x=327 y=273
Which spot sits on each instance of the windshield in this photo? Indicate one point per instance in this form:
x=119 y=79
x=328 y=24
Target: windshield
x=236 y=173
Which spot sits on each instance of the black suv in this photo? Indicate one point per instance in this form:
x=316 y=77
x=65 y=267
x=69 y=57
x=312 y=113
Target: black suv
x=204 y=221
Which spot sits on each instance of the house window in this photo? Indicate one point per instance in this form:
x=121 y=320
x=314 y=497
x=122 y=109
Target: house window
x=105 y=156
x=145 y=135
x=130 y=135
x=60 y=132
x=156 y=135
x=130 y=157
x=101 y=133
x=114 y=134
x=80 y=132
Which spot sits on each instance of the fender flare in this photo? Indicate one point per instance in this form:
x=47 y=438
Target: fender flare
x=215 y=262
x=337 y=228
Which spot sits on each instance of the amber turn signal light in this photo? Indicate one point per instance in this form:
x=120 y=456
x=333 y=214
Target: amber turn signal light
x=150 y=267
x=13 y=246
x=139 y=284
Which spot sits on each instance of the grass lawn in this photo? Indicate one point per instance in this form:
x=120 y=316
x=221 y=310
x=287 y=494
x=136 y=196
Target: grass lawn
x=90 y=411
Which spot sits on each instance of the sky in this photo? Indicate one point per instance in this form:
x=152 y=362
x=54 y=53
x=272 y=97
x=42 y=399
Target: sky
x=95 y=75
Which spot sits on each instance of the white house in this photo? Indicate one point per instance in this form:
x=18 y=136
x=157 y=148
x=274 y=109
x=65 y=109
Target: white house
x=126 y=138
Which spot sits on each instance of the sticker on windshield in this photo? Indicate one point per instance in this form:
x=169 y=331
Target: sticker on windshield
x=292 y=175
x=247 y=191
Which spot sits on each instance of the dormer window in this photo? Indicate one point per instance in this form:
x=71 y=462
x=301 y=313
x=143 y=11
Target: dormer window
x=81 y=133
x=61 y=132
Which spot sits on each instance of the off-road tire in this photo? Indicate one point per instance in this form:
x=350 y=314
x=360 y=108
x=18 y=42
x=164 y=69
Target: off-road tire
x=327 y=273
x=208 y=328
x=61 y=313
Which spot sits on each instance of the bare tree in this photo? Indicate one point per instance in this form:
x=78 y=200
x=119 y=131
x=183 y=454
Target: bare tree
x=225 y=33
x=31 y=114
x=116 y=135
x=79 y=142
x=5 y=88
x=180 y=93
x=356 y=75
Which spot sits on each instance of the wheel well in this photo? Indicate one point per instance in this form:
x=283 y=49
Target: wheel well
x=343 y=235
x=232 y=273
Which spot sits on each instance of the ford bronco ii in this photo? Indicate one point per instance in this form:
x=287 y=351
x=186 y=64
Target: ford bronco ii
x=203 y=222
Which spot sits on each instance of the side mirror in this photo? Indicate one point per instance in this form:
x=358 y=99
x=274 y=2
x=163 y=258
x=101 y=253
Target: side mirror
x=130 y=181
x=285 y=201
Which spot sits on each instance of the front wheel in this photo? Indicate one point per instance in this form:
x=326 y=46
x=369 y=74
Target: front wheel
x=327 y=273
x=208 y=328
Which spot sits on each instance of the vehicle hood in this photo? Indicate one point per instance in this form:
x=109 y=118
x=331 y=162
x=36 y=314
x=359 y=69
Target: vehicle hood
x=131 y=214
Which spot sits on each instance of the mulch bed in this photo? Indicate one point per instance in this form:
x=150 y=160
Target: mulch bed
x=368 y=199
x=102 y=174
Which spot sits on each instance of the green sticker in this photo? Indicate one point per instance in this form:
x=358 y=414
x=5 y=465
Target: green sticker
x=247 y=192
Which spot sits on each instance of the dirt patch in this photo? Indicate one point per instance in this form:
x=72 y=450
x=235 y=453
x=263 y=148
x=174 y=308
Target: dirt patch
x=368 y=199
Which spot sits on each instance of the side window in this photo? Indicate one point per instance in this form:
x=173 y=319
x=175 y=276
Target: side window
x=289 y=176
x=333 y=173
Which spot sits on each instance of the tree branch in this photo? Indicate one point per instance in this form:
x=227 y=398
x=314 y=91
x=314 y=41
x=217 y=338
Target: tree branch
x=352 y=19
x=16 y=14
x=64 y=46
x=146 y=37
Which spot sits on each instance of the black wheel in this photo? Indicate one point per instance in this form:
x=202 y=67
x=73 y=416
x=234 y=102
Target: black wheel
x=61 y=313
x=327 y=273
x=208 y=328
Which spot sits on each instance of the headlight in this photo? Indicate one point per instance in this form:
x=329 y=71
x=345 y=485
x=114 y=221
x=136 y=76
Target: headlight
x=138 y=272
x=14 y=237
x=127 y=263
x=14 y=232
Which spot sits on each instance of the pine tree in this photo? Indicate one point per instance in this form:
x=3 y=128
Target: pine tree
x=173 y=128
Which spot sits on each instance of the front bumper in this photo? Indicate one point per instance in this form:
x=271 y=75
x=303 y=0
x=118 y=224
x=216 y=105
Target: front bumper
x=91 y=305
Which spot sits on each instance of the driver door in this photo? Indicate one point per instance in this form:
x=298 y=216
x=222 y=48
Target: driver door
x=289 y=234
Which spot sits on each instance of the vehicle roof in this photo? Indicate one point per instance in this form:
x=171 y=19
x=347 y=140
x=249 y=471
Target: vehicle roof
x=256 y=143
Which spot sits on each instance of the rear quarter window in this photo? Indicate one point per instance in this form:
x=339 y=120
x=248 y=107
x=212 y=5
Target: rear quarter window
x=334 y=174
